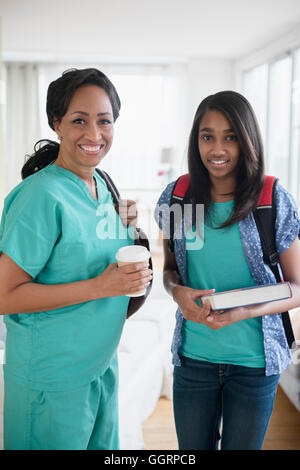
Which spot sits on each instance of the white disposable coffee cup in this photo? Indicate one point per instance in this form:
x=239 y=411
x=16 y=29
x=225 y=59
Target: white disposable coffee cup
x=132 y=254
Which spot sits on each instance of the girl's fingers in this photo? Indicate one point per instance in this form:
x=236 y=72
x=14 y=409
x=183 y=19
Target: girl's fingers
x=206 y=307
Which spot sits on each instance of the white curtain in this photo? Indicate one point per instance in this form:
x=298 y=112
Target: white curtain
x=153 y=118
x=21 y=119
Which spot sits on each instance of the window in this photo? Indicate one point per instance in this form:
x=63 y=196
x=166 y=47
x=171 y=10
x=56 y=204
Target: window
x=295 y=129
x=278 y=126
x=255 y=86
x=273 y=89
x=135 y=153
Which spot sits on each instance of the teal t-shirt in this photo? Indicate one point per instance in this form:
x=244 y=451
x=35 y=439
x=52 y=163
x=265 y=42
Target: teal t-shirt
x=221 y=265
x=58 y=233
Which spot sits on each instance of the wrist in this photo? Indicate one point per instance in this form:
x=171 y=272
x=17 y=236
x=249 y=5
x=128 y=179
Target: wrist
x=96 y=288
x=253 y=311
x=175 y=291
x=246 y=313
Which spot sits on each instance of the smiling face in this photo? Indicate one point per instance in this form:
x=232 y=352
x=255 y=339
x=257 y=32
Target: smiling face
x=218 y=146
x=86 y=130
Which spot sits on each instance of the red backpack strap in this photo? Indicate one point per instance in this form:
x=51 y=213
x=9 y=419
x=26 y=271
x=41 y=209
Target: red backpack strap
x=264 y=216
x=181 y=186
x=179 y=192
x=266 y=197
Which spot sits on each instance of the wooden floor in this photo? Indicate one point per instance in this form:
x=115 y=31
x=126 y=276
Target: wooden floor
x=283 y=433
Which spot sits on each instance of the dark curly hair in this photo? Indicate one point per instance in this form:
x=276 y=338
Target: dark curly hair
x=59 y=95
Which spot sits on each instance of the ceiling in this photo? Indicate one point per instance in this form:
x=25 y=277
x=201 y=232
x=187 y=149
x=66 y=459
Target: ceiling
x=225 y=29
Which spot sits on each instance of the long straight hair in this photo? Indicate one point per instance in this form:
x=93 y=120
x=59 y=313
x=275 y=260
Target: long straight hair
x=59 y=95
x=250 y=167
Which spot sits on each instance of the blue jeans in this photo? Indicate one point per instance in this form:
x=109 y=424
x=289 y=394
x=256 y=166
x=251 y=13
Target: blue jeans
x=204 y=392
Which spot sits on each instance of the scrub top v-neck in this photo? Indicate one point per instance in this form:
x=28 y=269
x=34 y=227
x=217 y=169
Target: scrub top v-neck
x=55 y=230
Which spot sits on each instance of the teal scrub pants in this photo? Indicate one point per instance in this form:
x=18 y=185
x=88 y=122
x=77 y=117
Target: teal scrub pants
x=82 y=419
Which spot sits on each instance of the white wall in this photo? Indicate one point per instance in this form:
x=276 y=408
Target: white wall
x=205 y=77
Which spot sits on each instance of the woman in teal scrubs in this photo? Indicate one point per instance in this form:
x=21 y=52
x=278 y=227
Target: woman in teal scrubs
x=227 y=364
x=63 y=296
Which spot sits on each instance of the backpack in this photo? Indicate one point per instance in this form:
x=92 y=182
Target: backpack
x=264 y=216
x=135 y=303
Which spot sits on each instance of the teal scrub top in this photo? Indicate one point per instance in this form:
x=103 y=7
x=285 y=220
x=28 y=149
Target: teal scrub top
x=221 y=265
x=58 y=233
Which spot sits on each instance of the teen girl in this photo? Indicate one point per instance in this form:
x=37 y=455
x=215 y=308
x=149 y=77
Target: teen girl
x=227 y=365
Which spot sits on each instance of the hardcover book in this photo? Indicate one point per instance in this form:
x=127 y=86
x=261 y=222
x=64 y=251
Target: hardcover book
x=249 y=296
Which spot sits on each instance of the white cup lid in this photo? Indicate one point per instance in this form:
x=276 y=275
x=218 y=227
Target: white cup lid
x=133 y=253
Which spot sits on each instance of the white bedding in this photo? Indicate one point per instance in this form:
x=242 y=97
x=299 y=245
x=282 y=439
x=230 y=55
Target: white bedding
x=140 y=380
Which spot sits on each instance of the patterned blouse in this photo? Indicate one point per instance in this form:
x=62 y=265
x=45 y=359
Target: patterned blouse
x=287 y=226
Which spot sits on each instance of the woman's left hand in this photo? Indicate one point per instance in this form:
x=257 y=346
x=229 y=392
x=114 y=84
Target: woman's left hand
x=128 y=212
x=217 y=319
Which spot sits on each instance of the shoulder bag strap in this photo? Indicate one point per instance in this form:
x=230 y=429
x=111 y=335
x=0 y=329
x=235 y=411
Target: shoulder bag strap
x=110 y=186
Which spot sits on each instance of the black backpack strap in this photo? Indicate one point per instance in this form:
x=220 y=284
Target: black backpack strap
x=265 y=215
x=110 y=186
x=178 y=196
x=135 y=303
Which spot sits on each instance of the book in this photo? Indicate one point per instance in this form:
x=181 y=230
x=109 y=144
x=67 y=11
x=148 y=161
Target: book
x=249 y=296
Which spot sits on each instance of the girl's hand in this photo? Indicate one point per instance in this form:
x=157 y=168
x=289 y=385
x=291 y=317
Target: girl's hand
x=185 y=298
x=116 y=281
x=128 y=212
x=219 y=319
